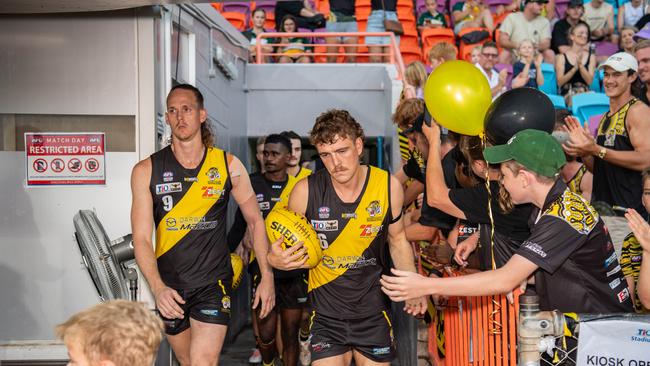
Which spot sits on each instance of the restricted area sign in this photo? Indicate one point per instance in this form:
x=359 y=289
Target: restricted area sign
x=65 y=158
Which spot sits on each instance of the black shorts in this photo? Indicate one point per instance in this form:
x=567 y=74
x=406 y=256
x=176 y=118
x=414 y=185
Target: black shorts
x=208 y=304
x=291 y=293
x=371 y=336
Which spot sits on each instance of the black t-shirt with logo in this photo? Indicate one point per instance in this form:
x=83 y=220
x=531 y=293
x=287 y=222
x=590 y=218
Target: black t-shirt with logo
x=509 y=229
x=579 y=270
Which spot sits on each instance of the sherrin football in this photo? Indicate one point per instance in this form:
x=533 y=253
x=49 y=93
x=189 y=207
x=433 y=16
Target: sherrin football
x=281 y=222
x=237 y=269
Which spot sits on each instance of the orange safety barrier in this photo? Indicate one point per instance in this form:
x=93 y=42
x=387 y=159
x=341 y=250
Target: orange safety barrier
x=393 y=51
x=478 y=330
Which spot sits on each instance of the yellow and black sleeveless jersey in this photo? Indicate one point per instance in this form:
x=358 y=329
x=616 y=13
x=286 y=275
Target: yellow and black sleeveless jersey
x=345 y=284
x=576 y=181
x=614 y=184
x=190 y=215
x=302 y=173
x=631 y=257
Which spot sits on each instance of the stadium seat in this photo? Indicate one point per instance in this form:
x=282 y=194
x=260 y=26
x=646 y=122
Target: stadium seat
x=216 y=6
x=431 y=36
x=238 y=20
x=597 y=82
x=466 y=49
x=550 y=79
x=405 y=14
x=408 y=41
x=411 y=54
x=594 y=121
x=557 y=100
x=237 y=6
x=585 y=105
x=606 y=48
x=362 y=12
x=324 y=7
x=508 y=67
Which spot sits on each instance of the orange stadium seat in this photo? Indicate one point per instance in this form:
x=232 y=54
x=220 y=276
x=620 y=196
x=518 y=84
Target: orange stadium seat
x=216 y=6
x=466 y=49
x=238 y=20
x=411 y=54
x=431 y=36
x=409 y=41
x=362 y=12
x=269 y=23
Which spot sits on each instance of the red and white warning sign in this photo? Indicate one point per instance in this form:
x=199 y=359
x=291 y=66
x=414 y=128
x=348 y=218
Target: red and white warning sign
x=65 y=158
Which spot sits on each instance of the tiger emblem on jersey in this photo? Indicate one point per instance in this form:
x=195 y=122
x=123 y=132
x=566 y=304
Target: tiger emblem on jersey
x=573 y=209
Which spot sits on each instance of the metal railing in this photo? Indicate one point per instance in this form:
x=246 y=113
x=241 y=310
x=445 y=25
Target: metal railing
x=392 y=48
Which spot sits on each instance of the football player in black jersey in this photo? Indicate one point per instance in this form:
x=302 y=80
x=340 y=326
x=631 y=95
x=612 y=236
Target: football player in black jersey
x=356 y=210
x=184 y=189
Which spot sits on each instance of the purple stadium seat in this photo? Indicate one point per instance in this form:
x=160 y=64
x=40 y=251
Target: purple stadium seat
x=508 y=67
x=606 y=48
x=267 y=5
x=243 y=7
x=593 y=124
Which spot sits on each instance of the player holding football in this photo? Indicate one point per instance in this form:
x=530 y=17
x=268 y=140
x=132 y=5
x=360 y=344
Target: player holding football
x=355 y=209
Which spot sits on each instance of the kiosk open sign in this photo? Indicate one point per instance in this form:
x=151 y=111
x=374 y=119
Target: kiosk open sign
x=65 y=158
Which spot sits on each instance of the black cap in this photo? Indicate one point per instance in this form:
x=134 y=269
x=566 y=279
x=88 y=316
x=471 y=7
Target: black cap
x=534 y=1
x=575 y=3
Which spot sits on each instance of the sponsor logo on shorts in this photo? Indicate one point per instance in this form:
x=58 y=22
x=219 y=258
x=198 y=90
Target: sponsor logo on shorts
x=260 y=197
x=381 y=351
x=325 y=225
x=320 y=346
x=614 y=271
x=614 y=284
x=169 y=188
x=623 y=295
x=348 y=262
x=210 y=312
x=349 y=215
x=265 y=206
x=535 y=248
x=324 y=212
x=168 y=176
x=368 y=230
x=610 y=260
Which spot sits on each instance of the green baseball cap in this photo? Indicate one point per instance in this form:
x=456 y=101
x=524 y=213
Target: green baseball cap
x=537 y=151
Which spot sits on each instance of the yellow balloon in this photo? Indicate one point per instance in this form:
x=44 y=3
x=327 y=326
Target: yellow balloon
x=457 y=95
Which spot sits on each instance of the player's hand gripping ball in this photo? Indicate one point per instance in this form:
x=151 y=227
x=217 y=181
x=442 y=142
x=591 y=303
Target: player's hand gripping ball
x=294 y=228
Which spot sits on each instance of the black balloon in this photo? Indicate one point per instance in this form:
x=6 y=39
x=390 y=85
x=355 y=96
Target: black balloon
x=515 y=110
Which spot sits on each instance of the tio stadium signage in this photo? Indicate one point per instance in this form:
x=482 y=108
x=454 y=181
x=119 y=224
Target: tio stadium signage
x=65 y=158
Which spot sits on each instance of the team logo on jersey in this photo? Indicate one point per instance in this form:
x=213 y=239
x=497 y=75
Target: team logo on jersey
x=325 y=225
x=264 y=206
x=260 y=197
x=574 y=210
x=168 y=176
x=210 y=192
x=374 y=211
x=169 y=188
x=324 y=212
x=369 y=231
x=213 y=175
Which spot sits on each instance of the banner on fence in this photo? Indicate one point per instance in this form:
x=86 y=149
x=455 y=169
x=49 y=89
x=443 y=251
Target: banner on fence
x=614 y=343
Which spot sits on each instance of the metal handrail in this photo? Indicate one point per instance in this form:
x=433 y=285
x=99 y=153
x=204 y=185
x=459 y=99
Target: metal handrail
x=395 y=57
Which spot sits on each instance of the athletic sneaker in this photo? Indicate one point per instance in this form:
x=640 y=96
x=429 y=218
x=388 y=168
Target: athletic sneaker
x=256 y=356
x=305 y=355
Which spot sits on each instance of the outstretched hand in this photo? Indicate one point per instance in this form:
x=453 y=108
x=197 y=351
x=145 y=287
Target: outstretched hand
x=404 y=285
